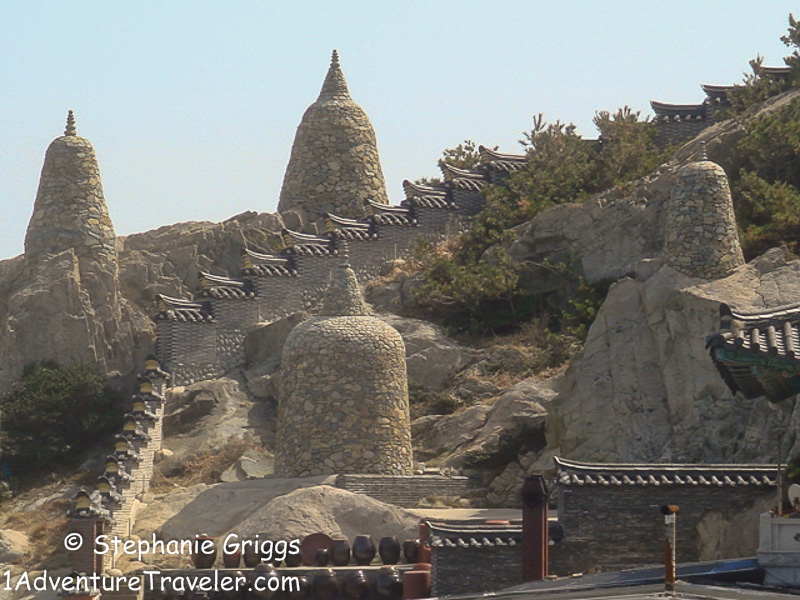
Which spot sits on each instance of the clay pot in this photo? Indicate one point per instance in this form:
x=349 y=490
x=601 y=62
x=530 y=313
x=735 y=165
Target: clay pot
x=323 y=556
x=262 y=573
x=231 y=560
x=340 y=552
x=233 y=594
x=411 y=551
x=303 y=591
x=356 y=586
x=324 y=585
x=388 y=585
x=293 y=560
x=363 y=550
x=389 y=550
x=251 y=554
x=204 y=560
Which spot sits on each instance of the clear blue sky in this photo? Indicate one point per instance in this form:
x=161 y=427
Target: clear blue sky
x=192 y=106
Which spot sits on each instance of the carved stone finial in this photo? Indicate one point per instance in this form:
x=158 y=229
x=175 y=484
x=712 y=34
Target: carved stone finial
x=702 y=155
x=334 y=87
x=70 y=130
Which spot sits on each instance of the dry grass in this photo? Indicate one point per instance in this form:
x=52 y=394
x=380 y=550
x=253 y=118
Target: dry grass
x=207 y=468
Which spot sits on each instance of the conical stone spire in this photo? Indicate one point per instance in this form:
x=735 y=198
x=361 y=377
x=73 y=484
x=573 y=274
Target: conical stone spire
x=334 y=165
x=344 y=296
x=70 y=210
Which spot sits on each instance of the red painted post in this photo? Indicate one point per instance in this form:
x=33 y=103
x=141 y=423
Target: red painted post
x=534 y=529
x=669 y=511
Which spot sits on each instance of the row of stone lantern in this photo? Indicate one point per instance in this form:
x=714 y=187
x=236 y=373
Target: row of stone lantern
x=93 y=511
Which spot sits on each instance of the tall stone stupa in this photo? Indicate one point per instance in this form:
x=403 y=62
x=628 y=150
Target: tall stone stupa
x=334 y=165
x=70 y=210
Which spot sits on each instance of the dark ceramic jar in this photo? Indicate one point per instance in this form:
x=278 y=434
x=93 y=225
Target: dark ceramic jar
x=303 y=591
x=340 y=552
x=389 y=550
x=363 y=550
x=325 y=585
x=323 y=556
x=411 y=551
x=356 y=586
x=251 y=554
x=388 y=585
x=259 y=580
x=200 y=559
x=293 y=560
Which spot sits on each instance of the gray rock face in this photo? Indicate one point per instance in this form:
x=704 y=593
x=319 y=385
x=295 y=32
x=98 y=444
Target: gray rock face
x=431 y=357
x=208 y=415
x=605 y=238
x=64 y=309
x=264 y=343
x=645 y=387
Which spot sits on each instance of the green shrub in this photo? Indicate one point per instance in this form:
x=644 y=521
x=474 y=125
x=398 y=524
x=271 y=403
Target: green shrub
x=471 y=291
x=53 y=412
x=766 y=186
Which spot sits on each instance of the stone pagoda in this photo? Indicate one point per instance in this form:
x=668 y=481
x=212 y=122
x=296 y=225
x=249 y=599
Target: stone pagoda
x=334 y=166
x=344 y=393
x=70 y=210
x=701 y=238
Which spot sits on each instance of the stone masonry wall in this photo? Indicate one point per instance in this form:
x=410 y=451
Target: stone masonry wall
x=618 y=527
x=701 y=238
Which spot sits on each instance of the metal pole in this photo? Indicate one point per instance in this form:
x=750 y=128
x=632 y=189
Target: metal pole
x=669 y=511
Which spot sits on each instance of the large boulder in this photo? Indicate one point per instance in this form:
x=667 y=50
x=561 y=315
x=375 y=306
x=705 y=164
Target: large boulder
x=14 y=546
x=431 y=357
x=329 y=510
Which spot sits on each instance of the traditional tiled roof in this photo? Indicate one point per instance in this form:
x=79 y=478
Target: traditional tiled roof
x=462 y=178
x=717 y=93
x=501 y=162
x=214 y=286
x=304 y=244
x=416 y=189
x=777 y=72
x=574 y=473
x=474 y=534
x=255 y=263
x=678 y=112
x=177 y=309
x=758 y=353
x=383 y=214
x=350 y=229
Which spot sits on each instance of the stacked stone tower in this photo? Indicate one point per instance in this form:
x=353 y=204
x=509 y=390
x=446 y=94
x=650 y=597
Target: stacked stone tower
x=344 y=394
x=334 y=165
x=70 y=211
x=701 y=238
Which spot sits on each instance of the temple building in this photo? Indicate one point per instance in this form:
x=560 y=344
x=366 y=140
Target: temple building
x=334 y=166
x=758 y=354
